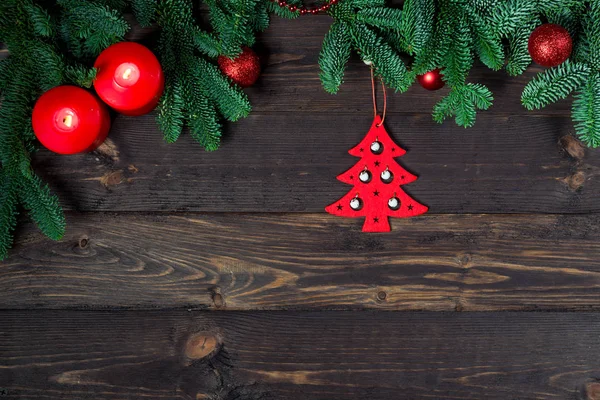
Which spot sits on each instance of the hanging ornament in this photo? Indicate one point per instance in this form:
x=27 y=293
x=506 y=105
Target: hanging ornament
x=130 y=78
x=550 y=45
x=377 y=199
x=69 y=120
x=431 y=80
x=244 y=69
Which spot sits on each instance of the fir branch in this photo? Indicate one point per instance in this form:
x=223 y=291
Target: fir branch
x=488 y=44
x=511 y=14
x=170 y=112
x=458 y=59
x=335 y=53
x=554 y=84
x=207 y=43
x=586 y=111
x=387 y=63
x=39 y=18
x=518 y=52
x=8 y=212
x=204 y=125
x=144 y=11
x=417 y=24
x=381 y=17
x=231 y=101
x=43 y=207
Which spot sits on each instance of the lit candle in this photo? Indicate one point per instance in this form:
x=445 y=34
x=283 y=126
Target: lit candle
x=130 y=78
x=69 y=120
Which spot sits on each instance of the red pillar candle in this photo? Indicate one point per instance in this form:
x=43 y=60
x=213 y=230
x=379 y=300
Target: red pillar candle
x=69 y=120
x=130 y=78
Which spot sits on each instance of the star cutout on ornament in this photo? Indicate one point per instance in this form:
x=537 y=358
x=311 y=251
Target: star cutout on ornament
x=351 y=176
x=361 y=149
x=402 y=177
x=339 y=207
x=376 y=220
x=393 y=149
x=376 y=193
x=410 y=206
x=377 y=163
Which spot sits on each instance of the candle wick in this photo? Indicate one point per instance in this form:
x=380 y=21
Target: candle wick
x=127 y=73
x=68 y=121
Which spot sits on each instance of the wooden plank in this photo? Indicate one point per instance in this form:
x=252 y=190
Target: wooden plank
x=292 y=355
x=313 y=261
x=283 y=163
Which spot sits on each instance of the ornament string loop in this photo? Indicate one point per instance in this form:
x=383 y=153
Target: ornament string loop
x=375 y=98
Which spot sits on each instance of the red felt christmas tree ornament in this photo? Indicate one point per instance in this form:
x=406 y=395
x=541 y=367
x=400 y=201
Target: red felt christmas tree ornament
x=244 y=69
x=377 y=179
x=550 y=45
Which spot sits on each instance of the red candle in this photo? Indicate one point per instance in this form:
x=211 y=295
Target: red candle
x=69 y=120
x=130 y=78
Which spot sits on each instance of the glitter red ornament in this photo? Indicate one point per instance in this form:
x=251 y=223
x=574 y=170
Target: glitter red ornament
x=69 y=120
x=550 y=45
x=431 y=80
x=244 y=69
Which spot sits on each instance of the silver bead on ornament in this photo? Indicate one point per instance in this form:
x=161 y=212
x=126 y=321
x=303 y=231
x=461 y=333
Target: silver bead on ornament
x=356 y=203
x=394 y=203
x=365 y=176
x=387 y=176
x=376 y=147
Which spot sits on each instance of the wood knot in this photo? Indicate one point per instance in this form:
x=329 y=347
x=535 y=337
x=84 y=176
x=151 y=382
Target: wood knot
x=201 y=345
x=592 y=391
x=575 y=182
x=381 y=295
x=217 y=298
x=573 y=147
x=83 y=242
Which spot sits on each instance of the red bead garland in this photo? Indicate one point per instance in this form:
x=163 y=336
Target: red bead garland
x=305 y=10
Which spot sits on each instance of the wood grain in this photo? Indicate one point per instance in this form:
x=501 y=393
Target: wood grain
x=286 y=163
x=308 y=261
x=275 y=355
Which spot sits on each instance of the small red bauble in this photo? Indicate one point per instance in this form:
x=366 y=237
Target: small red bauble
x=69 y=120
x=130 y=78
x=431 y=80
x=550 y=45
x=244 y=69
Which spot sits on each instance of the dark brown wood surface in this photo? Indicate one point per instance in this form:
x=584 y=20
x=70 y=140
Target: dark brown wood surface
x=166 y=244
x=298 y=355
x=309 y=261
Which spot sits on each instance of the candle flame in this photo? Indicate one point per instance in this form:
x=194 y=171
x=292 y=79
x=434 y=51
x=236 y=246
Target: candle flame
x=127 y=73
x=68 y=121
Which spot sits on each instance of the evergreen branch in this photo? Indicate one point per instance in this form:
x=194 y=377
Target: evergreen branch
x=417 y=24
x=335 y=53
x=518 y=52
x=488 y=44
x=207 y=43
x=511 y=14
x=144 y=11
x=586 y=111
x=170 y=112
x=39 y=18
x=458 y=59
x=230 y=99
x=381 y=17
x=43 y=207
x=554 y=84
x=8 y=212
x=204 y=125
x=387 y=63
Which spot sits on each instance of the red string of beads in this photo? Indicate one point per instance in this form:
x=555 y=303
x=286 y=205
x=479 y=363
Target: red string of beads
x=305 y=10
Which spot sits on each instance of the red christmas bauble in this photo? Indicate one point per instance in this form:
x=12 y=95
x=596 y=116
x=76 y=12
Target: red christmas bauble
x=244 y=69
x=431 y=80
x=69 y=120
x=130 y=78
x=550 y=45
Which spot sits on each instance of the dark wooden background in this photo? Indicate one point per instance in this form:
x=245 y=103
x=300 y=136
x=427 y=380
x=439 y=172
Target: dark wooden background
x=194 y=275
